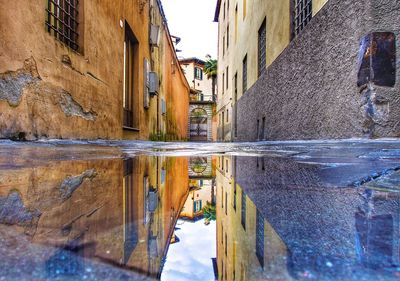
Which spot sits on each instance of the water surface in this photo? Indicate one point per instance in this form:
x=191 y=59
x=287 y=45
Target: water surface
x=145 y=211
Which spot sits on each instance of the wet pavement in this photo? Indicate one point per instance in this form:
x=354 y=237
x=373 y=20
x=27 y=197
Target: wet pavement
x=317 y=210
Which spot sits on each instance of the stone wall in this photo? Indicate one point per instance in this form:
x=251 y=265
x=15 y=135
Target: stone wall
x=310 y=91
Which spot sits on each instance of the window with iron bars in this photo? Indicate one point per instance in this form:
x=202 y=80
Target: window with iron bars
x=262 y=48
x=260 y=238
x=62 y=21
x=302 y=14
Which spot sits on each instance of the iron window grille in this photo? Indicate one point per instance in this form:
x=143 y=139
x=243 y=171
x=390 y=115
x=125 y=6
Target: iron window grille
x=260 y=238
x=302 y=14
x=244 y=74
x=62 y=21
x=262 y=48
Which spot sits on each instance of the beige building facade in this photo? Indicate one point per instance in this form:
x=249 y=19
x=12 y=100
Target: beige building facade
x=252 y=34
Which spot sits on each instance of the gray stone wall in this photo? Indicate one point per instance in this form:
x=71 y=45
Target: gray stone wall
x=311 y=92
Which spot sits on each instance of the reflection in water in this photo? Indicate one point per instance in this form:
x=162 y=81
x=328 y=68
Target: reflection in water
x=202 y=218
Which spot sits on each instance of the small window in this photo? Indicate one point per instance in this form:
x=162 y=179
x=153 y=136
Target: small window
x=244 y=74
x=226 y=203
x=198 y=73
x=197 y=205
x=224 y=10
x=227 y=115
x=223 y=82
x=227 y=77
x=223 y=46
x=227 y=37
x=63 y=21
x=262 y=48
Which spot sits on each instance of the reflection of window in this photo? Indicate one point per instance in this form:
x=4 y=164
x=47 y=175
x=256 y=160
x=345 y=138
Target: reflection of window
x=130 y=221
x=260 y=238
x=243 y=213
x=198 y=73
x=197 y=205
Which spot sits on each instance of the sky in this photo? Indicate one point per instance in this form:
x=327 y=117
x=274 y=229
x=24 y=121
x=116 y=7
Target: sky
x=190 y=259
x=193 y=22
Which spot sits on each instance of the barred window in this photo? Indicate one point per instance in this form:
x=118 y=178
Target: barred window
x=302 y=14
x=260 y=238
x=62 y=21
x=244 y=74
x=262 y=48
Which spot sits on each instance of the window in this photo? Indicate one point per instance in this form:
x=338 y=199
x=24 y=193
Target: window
x=223 y=46
x=226 y=203
x=234 y=196
x=235 y=82
x=227 y=37
x=198 y=73
x=227 y=170
x=244 y=74
x=63 y=21
x=258 y=130
x=244 y=8
x=130 y=73
x=197 y=205
x=227 y=77
x=263 y=129
x=226 y=245
x=302 y=14
x=227 y=115
x=236 y=23
x=260 y=238
x=223 y=82
x=262 y=48
x=224 y=10
x=243 y=212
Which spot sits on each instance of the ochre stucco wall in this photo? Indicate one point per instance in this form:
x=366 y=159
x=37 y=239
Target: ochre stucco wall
x=49 y=91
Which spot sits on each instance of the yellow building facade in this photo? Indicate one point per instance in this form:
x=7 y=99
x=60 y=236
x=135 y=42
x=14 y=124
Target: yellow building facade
x=241 y=25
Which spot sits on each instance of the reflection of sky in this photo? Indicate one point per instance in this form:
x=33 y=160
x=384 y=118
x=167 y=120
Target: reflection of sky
x=190 y=259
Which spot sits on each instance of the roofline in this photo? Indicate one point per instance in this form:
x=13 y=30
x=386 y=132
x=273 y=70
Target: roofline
x=217 y=9
x=193 y=59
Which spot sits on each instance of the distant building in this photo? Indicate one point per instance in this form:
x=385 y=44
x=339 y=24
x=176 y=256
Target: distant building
x=202 y=120
x=284 y=71
x=85 y=70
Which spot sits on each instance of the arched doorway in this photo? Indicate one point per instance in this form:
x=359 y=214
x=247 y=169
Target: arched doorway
x=198 y=124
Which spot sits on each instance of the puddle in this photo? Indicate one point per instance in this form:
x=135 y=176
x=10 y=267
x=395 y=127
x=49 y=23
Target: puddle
x=147 y=211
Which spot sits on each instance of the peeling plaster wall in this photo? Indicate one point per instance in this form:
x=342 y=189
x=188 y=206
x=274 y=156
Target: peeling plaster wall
x=310 y=91
x=48 y=90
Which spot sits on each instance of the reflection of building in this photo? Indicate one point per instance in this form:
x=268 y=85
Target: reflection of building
x=248 y=248
x=201 y=193
x=119 y=212
x=312 y=218
x=201 y=187
x=202 y=100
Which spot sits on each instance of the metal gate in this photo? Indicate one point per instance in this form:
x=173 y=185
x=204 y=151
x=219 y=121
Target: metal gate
x=198 y=125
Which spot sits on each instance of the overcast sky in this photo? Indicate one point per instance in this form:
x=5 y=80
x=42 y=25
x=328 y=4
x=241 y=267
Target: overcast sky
x=192 y=21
